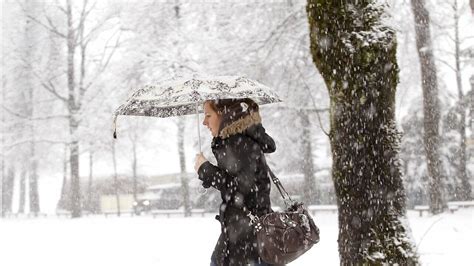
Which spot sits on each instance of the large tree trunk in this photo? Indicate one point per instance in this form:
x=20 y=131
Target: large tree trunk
x=464 y=187
x=356 y=56
x=182 y=164
x=309 y=189
x=431 y=111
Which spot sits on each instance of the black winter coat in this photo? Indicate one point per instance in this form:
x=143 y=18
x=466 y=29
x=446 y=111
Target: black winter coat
x=242 y=177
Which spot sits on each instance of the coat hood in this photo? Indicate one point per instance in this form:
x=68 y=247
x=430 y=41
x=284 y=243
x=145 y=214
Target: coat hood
x=248 y=123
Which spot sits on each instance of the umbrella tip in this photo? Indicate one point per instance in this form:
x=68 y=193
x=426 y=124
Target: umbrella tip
x=115 y=134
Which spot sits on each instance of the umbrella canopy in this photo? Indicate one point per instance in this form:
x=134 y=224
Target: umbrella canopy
x=183 y=96
x=177 y=97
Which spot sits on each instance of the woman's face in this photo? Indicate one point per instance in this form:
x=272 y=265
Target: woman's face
x=212 y=119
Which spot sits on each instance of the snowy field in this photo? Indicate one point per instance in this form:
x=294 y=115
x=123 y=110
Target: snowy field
x=444 y=239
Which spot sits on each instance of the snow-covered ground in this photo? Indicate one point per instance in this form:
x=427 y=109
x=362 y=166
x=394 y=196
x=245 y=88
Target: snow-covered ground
x=444 y=239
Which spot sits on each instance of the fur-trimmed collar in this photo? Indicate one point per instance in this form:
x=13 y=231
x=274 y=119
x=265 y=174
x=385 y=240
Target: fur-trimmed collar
x=240 y=125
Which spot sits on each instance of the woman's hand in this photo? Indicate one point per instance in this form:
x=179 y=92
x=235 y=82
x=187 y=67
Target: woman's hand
x=200 y=159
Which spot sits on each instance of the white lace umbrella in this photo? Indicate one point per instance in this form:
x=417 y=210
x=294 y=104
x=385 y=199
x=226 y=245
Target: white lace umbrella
x=183 y=96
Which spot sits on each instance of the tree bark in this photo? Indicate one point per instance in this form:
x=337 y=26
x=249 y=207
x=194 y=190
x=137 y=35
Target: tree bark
x=356 y=56
x=464 y=187
x=431 y=110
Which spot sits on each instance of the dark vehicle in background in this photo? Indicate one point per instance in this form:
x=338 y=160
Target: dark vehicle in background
x=159 y=197
x=170 y=197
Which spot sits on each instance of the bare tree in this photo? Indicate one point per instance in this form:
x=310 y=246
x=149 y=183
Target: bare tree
x=356 y=55
x=75 y=36
x=431 y=109
x=463 y=187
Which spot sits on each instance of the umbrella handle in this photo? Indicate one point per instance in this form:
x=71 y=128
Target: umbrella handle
x=115 y=126
x=197 y=121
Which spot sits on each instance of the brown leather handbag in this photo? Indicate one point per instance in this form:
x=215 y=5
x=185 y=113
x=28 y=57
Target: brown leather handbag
x=284 y=236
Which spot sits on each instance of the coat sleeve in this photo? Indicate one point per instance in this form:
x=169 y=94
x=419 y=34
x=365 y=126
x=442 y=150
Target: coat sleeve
x=211 y=175
x=238 y=173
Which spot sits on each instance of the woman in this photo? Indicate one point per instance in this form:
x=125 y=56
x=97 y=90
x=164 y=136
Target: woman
x=241 y=175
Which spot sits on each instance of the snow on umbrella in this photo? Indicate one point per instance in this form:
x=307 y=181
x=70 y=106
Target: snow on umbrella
x=182 y=96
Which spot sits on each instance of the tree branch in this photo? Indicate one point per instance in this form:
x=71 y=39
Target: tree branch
x=39 y=118
x=446 y=63
x=21 y=142
x=51 y=27
x=50 y=87
x=104 y=66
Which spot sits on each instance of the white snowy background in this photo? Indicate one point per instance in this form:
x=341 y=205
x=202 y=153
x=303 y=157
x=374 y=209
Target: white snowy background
x=265 y=40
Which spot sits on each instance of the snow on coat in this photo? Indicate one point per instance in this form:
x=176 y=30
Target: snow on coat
x=242 y=177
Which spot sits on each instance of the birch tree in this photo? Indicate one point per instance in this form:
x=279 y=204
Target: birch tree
x=451 y=30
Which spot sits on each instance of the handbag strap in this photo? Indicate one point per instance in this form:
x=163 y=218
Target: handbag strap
x=284 y=194
x=280 y=188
